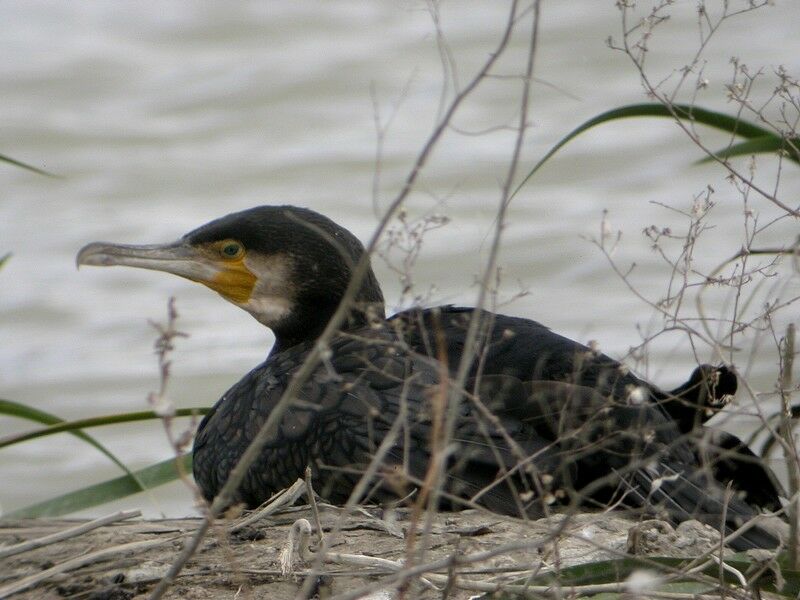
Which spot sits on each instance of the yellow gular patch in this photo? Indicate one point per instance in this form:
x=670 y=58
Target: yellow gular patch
x=234 y=283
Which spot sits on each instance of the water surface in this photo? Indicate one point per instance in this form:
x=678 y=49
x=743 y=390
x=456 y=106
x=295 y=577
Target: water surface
x=162 y=116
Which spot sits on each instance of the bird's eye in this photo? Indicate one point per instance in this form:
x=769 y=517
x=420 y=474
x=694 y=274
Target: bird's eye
x=231 y=250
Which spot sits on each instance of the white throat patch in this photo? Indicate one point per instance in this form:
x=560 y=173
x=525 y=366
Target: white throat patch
x=272 y=298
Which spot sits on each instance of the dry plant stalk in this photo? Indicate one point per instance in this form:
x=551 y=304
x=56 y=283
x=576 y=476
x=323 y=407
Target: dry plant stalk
x=792 y=457
x=6 y=551
x=743 y=272
x=452 y=392
x=160 y=402
x=226 y=494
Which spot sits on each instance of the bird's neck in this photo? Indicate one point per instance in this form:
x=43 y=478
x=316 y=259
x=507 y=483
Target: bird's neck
x=306 y=324
x=314 y=305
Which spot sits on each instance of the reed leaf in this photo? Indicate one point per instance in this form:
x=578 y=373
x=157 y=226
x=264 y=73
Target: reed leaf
x=733 y=125
x=23 y=411
x=107 y=491
x=787 y=583
x=761 y=145
x=71 y=426
x=26 y=166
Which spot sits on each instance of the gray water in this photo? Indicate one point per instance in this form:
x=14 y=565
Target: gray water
x=162 y=116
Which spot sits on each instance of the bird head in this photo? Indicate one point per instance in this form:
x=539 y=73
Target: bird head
x=287 y=266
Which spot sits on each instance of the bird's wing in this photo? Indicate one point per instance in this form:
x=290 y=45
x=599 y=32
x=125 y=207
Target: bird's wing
x=513 y=346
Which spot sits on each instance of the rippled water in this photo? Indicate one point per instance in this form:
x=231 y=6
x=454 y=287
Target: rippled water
x=161 y=116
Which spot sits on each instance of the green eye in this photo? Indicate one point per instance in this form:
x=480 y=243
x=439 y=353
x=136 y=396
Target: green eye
x=231 y=250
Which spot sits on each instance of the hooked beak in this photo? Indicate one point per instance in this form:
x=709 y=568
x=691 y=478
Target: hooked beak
x=176 y=258
x=232 y=279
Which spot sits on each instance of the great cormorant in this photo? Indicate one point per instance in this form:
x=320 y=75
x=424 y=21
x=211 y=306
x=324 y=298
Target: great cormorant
x=544 y=419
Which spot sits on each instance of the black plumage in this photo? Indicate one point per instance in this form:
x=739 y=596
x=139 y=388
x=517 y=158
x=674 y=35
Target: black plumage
x=543 y=419
x=528 y=350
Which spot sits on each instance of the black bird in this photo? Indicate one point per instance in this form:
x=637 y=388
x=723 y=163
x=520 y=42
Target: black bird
x=528 y=350
x=544 y=419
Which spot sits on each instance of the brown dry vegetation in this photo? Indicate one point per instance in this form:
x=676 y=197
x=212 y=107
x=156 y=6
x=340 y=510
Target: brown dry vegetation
x=247 y=564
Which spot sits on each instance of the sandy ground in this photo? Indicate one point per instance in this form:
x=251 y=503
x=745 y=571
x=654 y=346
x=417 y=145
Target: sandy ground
x=131 y=556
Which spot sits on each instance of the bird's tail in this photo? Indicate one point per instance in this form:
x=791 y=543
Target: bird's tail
x=664 y=489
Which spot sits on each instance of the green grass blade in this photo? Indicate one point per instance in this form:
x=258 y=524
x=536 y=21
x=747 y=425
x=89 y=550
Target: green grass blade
x=107 y=491
x=4 y=259
x=616 y=570
x=604 y=571
x=26 y=166
x=70 y=426
x=687 y=589
x=22 y=411
x=760 y=145
x=688 y=112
